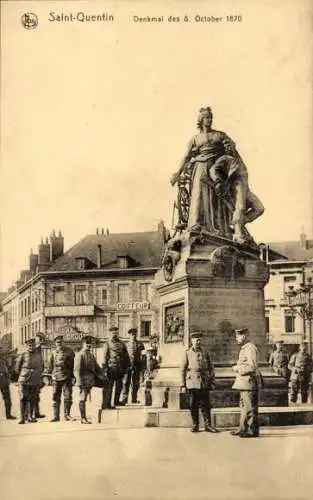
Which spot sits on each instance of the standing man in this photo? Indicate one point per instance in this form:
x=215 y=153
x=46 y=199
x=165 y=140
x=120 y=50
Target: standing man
x=86 y=370
x=29 y=369
x=132 y=377
x=248 y=382
x=279 y=361
x=115 y=364
x=39 y=341
x=197 y=375
x=5 y=385
x=300 y=365
x=61 y=366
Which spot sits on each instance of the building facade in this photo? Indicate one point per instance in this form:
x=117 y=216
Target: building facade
x=290 y=267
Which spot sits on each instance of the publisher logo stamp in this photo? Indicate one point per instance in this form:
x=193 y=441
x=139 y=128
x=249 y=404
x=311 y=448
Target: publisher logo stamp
x=29 y=21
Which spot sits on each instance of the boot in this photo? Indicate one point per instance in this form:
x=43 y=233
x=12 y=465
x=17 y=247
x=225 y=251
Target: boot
x=8 y=405
x=67 y=411
x=82 y=409
x=37 y=411
x=56 y=412
x=208 y=426
x=31 y=418
x=22 y=412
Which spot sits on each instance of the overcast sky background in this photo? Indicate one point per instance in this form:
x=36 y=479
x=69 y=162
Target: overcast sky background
x=96 y=117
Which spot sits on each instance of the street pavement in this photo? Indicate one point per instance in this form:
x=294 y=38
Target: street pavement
x=67 y=461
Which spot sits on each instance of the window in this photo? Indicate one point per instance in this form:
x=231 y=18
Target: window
x=123 y=293
x=80 y=295
x=145 y=292
x=288 y=281
x=289 y=323
x=102 y=295
x=123 y=325
x=145 y=327
x=81 y=263
x=122 y=261
x=267 y=324
x=58 y=296
x=101 y=326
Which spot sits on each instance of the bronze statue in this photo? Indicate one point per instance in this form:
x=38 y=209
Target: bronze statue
x=214 y=194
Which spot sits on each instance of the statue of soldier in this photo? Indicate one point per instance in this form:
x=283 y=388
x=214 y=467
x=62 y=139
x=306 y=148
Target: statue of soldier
x=132 y=377
x=29 y=369
x=5 y=385
x=197 y=376
x=279 y=361
x=212 y=157
x=86 y=370
x=61 y=367
x=115 y=364
x=248 y=381
x=300 y=366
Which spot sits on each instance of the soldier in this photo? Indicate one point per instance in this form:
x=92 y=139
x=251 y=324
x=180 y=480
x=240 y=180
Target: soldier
x=300 y=365
x=29 y=369
x=197 y=375
x=115 y=364
x=86 y=370
x=279 y=361
x=132 y=377
x=61 y=366
x=248 y=382
x=5 y=385
x=39 y=341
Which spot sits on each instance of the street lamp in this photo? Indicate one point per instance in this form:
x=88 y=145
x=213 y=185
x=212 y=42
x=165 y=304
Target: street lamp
x=300 y=301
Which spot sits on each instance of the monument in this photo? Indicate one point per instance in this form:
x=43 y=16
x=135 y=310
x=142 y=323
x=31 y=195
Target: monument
x=212 y=277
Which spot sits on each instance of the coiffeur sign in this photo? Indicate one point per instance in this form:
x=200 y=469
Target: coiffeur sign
x=122 y=306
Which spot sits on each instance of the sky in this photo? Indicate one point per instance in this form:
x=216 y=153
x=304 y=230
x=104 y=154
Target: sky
x=96 y=117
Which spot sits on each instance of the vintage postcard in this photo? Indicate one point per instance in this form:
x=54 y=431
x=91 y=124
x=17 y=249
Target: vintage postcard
x=156 y=250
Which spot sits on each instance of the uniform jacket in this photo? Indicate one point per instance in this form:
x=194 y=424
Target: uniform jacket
x=86 y=368
x=197 y=371
x=300 y=365
x=116 y=355
x=29 y=368
x=134 y=349
x=247 y=365
x=279 y=362
x=61 y=364
x=4 y=373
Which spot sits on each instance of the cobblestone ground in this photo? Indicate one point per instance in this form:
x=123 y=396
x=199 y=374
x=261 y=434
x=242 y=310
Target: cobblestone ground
x=67 y=461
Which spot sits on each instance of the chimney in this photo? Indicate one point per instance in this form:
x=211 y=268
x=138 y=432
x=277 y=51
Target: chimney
x=99 y=256
x=107 y=231
x=303 y=240
x=43 y=255
x=56 y=245
x=97 y=230
x=102 y=231
x=33 y=262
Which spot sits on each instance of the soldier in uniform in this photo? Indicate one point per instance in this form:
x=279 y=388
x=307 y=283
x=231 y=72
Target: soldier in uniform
x=61 y=366
x=29 y=368
x=39 y=341
x=132 y=377
x=197 y=376
x=115 y=364
x=300 y=366
x=248 y=382
x=86 y=370
x=279 y=361
x=5 y=385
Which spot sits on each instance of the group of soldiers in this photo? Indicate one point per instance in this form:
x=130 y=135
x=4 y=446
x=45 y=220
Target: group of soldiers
x=119 y=375
x=296 y=370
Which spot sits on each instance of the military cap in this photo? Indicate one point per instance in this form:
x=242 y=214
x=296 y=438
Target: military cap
x=56 y=337
x=40 y=336
x=113 y=329
x=30 y=341
x=241 y=331
x=87 y=338
x=196 y=335
x=133 y=330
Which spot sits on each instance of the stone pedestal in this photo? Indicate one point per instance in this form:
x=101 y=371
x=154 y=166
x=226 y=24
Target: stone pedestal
x=215 y=286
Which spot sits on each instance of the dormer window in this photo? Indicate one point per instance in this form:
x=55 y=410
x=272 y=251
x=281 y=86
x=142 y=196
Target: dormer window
x=81 y=263
x=122 y=261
